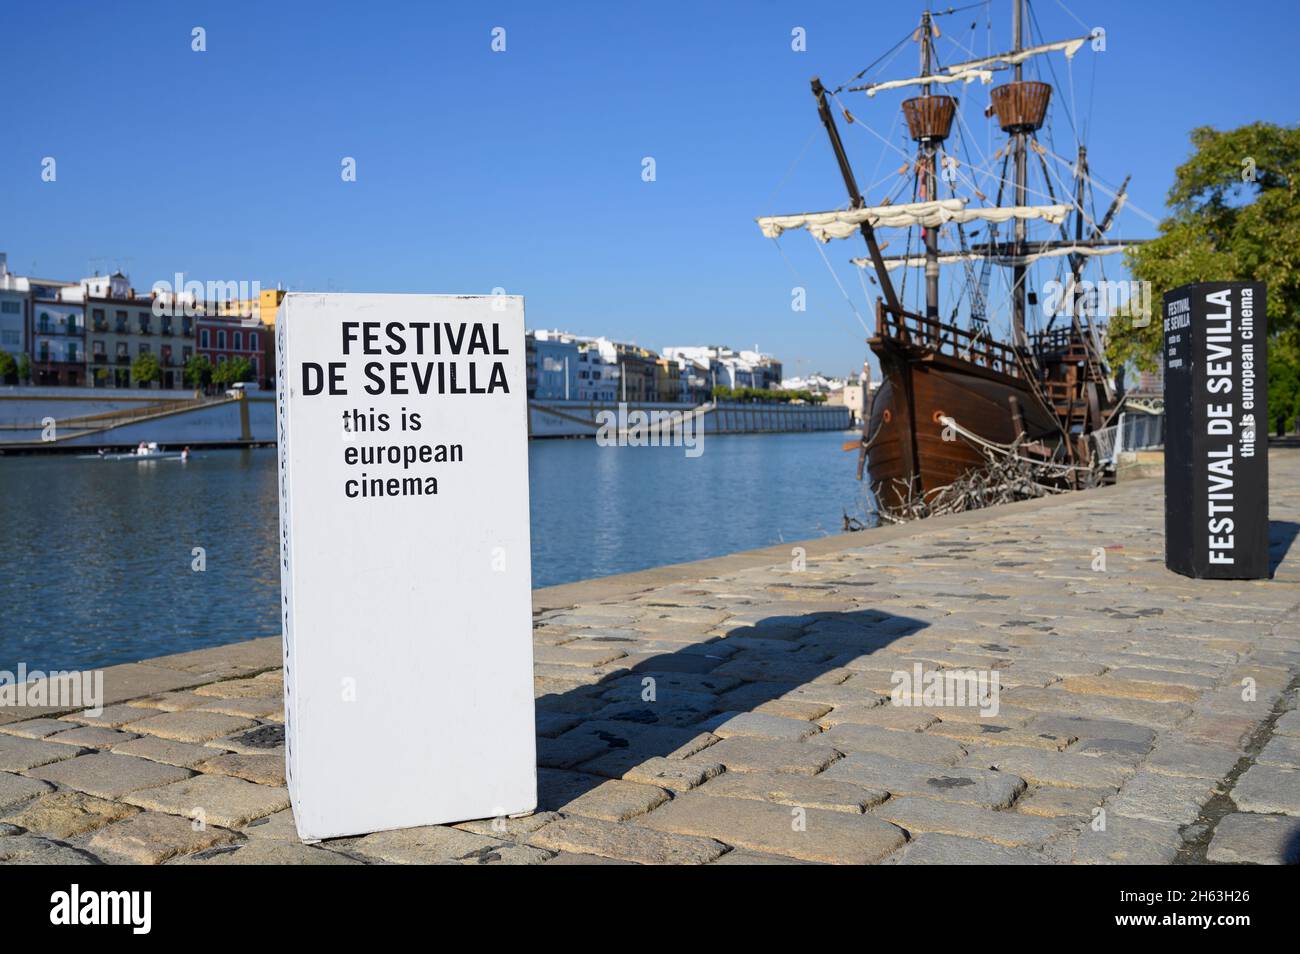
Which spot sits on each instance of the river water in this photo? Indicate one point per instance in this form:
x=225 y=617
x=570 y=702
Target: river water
x=98 y=561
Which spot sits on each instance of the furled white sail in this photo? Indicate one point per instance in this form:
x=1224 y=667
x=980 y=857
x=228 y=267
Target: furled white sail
x=845 y=222
x=918 y=261
x=965 y=76
x=1070 y=47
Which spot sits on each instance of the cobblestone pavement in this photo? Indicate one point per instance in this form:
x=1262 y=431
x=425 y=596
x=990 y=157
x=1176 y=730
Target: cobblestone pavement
x=739 y=711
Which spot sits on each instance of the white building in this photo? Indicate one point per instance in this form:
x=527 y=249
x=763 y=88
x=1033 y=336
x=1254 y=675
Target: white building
x=730 y=368
x=15 y=302
x=116 y=286
x=597 y=374
x=816 y=383
x=853 y=396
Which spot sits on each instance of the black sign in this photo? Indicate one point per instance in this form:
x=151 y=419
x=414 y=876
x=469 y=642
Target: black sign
x=1216 y=446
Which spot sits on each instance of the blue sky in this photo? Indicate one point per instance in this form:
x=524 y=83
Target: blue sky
x=522 y=169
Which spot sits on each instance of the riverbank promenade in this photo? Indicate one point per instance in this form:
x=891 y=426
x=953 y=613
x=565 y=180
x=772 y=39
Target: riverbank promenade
x=739 y=710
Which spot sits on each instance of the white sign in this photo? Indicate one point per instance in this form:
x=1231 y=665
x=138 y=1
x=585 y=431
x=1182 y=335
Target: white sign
x=404 y=553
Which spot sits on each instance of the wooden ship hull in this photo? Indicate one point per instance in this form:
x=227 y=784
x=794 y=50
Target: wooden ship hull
x=931 y=372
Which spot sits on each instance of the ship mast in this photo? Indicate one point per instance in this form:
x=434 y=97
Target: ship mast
x=1076 y=260
x=1018 y=273
x=855 y=197
x=928 y=187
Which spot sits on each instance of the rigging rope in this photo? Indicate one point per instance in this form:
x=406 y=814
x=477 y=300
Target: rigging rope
x=1007 y=449
x=890 y=53
x=830 y=269
x=794 y=271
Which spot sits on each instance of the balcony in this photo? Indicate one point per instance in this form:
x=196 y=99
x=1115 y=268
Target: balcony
x=101 y=359
x=123 y=359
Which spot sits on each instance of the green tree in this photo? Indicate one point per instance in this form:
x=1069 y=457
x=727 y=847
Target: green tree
x=1283 y=383
x=24 y=369
x=241 y=369
x=1236 y=216
x=231 y=372
x=198 y=371
x=145 y=368
x=8 y=367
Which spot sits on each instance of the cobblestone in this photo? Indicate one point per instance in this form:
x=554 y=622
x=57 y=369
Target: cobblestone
x=213 y=799
x=150 y=838
x=1256 y=839
x=898 y=777
x=109 y=775
x=65 y=814
x=807 y=833
x=18 y=754
x=625 y=842
x=920 y=815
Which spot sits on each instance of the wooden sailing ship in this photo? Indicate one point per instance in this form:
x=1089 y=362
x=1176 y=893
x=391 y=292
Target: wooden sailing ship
x=954 y=393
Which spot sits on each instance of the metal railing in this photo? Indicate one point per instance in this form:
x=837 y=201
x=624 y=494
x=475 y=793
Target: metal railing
x=108 y=419
x=1141 y=432
x=1132 y=432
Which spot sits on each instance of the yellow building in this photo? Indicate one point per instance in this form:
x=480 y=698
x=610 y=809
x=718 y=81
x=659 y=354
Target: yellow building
x=267 y=305
x=263 y=307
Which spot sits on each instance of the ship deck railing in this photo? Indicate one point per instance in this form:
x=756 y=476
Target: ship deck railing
x=974 y=347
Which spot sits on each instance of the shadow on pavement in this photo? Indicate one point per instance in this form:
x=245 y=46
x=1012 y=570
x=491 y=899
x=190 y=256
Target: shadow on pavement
x=664 y=704
x=1281 y=534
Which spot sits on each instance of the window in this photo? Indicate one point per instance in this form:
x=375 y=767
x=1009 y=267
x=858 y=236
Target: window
x=166 y=325
x=239 y=341
x=72 y=351
x=187 y=327
x=187 y=353
x=252 y=341
x=144 y=349
x=166 y=354
x=253 y=362
x=120 y=318
x=221 y=340
x=9 y=337
x=97 y=315
x=143 y=319
x=9 y=307
x=203 y=338
x=45 y=322
x=97 y=347
x=122 y=350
